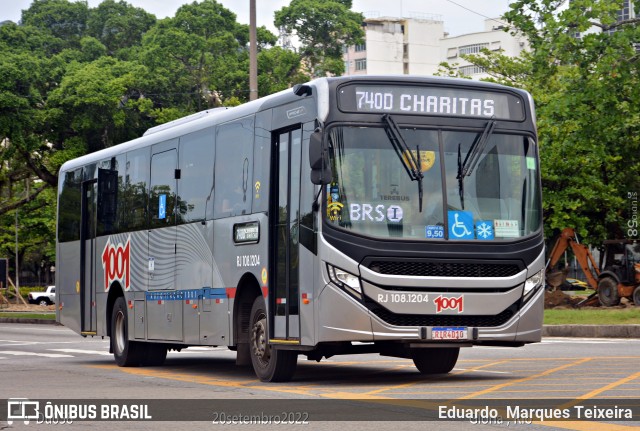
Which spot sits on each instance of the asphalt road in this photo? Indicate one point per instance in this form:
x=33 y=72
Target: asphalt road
x=52 y=363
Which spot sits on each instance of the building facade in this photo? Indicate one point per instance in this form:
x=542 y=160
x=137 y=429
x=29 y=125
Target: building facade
x=419 y=44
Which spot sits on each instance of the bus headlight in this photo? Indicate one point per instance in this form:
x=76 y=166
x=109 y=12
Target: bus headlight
x=532 y=284
x=345 y=280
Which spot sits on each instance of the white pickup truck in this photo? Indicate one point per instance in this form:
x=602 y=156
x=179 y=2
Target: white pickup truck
x=43 y=298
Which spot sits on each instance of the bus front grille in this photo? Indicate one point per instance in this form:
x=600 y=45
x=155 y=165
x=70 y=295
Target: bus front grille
x=444 y=269
x=480 y=321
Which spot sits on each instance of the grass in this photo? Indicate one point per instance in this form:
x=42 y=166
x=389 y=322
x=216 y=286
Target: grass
x=27 y=315
x=603 y=316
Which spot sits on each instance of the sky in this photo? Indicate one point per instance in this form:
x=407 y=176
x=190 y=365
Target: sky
x=460 y=16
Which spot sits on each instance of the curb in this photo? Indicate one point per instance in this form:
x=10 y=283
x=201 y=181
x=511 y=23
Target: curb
x=578 y=331
x=592 y=331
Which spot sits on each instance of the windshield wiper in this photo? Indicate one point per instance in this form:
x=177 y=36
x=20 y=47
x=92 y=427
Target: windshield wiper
x=466 y=168
x=476 y=148
x=410 y=161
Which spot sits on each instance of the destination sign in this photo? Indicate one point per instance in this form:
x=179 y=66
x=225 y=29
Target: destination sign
x=439 y=101
x=246 y=232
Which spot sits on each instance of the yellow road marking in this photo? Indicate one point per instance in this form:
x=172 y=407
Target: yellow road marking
x=586 y=425
x=525 y=379
x=245 y=384
x=610 y=386
x=409 y=384
x=605 y=388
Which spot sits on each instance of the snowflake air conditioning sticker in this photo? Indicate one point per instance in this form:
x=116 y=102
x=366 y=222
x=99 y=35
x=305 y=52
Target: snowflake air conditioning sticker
x=484 y=230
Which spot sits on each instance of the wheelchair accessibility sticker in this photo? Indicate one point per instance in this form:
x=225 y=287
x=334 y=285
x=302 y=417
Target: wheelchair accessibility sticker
x=460 y=225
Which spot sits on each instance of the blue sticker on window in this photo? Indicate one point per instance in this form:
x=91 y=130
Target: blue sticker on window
x=460 y=225
x=434 y=232
x=484 y=230
x=162 y=207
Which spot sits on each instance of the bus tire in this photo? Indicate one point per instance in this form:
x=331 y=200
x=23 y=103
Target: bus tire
x=436 y=360
x=270 y=365
x=608 y=292
x=154 y=354
x=126 y=353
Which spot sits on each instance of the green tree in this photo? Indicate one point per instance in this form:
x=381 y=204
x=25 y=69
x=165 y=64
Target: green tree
x=582 y=71
x=279 y=68
x=324 y=27
x=118 y=25
x=62 y=19
x=75 y=79
x=199 y=57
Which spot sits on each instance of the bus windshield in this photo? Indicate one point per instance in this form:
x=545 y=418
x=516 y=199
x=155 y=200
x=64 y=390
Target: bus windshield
x=371 y=193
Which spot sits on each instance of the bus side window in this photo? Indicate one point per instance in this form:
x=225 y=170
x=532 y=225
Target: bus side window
x=195 y=187
x=137 y=186
x=69 y=213
x=107 y=201
x=234 y=168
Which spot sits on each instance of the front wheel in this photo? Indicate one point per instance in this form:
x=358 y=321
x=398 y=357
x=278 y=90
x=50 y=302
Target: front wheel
x=126 y=353
x=43 y=302
x=270 y=365
x=435 y=360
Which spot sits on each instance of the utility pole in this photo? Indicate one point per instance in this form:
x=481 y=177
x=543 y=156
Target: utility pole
x=253 y=52
x=17 y=286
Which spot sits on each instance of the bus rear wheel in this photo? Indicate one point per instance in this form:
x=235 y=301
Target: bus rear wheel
x=270 y=365
x=126 y=353
x=435 y=360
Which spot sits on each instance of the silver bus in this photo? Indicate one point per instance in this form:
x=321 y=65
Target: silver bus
x=391 y=215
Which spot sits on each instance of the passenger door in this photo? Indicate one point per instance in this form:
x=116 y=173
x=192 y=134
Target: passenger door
x=162 y=217
x=88 y=258
x=164 y=310
x=285 y=256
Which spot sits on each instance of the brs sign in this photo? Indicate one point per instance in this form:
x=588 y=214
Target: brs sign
x=115 y=262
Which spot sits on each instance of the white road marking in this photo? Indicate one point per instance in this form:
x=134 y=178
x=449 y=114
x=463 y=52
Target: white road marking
x=17 y=343
x=46 y=355
x=568 y=340
x=31 y=328
x=87 y=352
x=32 y=343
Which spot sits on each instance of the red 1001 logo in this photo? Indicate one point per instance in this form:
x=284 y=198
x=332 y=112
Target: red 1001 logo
x=443 y=303
x=115 y=262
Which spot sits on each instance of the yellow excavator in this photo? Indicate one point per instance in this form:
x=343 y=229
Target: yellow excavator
x=620 y=276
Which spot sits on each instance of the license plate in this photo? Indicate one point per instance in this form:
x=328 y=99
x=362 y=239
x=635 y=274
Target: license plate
x=449 y=333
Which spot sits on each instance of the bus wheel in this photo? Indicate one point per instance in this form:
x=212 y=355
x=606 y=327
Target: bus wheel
x=154 y=354
x=608 y=292
x=126 y=353
x=435 y=360
x=270 y=365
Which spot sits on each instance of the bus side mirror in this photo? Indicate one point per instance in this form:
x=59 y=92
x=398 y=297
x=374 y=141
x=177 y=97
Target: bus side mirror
x=319 y=160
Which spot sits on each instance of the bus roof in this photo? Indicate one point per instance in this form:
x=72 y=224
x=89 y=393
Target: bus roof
x=212 y=117
x=182 y=126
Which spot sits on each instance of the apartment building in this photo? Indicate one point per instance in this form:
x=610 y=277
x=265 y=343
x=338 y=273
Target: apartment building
x=417 y=45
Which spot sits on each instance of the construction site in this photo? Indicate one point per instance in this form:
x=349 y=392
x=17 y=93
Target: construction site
x=610 y=272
